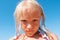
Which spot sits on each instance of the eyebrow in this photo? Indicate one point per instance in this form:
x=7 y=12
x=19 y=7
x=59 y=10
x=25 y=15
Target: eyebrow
x=33 y=19
x=22 y=20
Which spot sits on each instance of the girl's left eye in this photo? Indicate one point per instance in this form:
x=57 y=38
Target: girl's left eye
x=35 y=20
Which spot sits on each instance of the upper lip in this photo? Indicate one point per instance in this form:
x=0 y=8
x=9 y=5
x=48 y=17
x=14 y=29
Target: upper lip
x=29 y=30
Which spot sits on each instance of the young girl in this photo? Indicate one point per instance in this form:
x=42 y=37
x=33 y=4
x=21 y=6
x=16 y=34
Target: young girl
x=28 y=15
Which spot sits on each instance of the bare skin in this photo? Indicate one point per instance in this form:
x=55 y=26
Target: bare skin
x=35 y=37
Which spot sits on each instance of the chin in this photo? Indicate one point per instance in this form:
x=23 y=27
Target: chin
x=30 y=35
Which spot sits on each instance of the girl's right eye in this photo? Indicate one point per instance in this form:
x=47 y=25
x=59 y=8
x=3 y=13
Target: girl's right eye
x=23 y=20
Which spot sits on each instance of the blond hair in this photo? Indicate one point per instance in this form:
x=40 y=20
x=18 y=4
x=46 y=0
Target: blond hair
x=24 y=4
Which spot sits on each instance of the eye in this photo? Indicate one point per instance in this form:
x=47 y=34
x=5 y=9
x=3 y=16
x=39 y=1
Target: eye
x=23 y=20
x=35 y=20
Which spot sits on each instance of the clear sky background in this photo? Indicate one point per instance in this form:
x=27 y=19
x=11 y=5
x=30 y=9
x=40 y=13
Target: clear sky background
x=51 y=10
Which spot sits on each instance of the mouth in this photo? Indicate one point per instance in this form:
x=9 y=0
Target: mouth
x=29 y=30
x=29 y=33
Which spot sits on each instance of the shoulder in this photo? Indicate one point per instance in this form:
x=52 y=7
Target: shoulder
x=20 y=37
x=15 y=37
x=54 y=36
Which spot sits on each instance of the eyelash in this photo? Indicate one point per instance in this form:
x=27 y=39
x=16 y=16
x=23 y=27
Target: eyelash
x=23 y=20
x=35 y=20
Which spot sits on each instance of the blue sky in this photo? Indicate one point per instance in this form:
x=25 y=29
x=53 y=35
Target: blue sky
x=51 y=10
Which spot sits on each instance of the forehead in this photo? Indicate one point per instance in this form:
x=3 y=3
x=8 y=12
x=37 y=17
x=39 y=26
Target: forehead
x=29 y=13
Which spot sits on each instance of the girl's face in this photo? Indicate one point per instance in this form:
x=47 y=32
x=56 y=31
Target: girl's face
x=29 y=21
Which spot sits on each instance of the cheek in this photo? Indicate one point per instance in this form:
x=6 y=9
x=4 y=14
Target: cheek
x=36 y=28
x=23 y=26
x=36 y=24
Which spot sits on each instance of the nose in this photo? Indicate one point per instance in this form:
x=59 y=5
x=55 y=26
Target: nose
x=29 y=26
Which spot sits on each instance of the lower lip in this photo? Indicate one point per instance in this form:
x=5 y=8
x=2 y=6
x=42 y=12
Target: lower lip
x=30 y=31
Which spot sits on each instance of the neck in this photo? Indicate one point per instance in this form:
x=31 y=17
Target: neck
x=34 y=36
